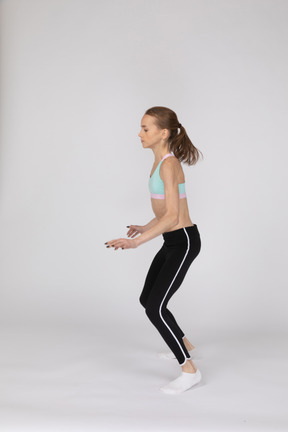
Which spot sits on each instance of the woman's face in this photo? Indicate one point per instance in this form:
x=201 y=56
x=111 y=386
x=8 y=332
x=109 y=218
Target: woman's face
x=150 y=135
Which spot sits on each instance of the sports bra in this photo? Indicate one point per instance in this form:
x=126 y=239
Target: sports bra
x=156 y=185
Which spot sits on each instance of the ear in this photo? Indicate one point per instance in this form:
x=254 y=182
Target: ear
x=165 y=133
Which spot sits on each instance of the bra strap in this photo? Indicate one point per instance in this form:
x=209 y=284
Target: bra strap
x=167 y=155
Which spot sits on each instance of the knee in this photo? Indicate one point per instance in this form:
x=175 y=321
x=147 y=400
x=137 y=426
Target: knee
x=142 y=301
x=152 y=312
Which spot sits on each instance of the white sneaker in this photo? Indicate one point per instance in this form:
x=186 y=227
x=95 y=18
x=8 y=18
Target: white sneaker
x=184 y=382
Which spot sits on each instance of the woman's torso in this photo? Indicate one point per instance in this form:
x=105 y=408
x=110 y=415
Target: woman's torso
x=159 y=206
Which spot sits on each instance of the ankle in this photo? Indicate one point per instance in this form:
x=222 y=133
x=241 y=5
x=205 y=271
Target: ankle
x=189 y=367
x=188 y=344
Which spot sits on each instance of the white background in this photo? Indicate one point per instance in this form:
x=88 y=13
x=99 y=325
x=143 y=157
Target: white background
x=76 y=79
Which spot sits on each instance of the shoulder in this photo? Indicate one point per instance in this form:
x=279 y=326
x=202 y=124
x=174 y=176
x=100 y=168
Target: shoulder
x=170 y=167
x=170 y=164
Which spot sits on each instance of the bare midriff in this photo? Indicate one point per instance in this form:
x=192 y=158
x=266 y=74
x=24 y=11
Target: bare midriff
x=159 y=209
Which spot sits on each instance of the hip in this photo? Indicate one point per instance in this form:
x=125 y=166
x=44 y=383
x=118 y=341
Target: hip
x=185 y=235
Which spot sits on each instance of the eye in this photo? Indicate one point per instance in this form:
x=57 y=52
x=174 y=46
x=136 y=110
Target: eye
x=145 y=130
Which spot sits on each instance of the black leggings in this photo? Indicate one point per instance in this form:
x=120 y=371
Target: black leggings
x=164 y=277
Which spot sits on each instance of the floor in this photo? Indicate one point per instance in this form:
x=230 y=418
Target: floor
x=71 y=379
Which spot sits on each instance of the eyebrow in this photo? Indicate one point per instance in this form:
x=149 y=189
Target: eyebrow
x=143 y=125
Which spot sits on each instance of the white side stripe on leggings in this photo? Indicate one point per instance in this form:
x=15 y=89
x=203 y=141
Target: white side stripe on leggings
x=188 y=247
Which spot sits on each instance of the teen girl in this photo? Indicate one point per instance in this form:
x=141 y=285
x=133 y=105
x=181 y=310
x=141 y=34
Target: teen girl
x=163 y=134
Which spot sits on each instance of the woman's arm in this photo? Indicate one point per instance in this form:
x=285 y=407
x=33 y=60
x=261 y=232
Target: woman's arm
x=171 y=215
x=167 y=221
x=140 y=229
x=151 y=224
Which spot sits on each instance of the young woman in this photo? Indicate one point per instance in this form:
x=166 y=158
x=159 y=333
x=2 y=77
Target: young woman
x=163 y=134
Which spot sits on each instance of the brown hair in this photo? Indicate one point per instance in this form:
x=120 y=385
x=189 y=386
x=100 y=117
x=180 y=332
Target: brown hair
x=179 y=143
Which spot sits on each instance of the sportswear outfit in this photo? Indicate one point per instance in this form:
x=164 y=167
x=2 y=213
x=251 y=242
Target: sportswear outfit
x=167 y=271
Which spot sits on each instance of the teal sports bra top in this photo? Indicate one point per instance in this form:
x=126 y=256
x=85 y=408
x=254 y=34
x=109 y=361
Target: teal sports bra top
x=156 y=185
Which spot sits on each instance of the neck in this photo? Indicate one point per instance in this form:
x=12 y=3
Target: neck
x=160 y=153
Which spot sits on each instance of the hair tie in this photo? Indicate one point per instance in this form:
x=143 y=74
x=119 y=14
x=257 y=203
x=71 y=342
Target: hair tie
x=179 y=126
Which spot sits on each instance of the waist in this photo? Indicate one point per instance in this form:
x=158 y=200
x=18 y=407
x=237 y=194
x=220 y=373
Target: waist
x=180 y=235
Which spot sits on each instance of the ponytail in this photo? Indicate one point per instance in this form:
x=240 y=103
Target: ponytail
x=179 y=142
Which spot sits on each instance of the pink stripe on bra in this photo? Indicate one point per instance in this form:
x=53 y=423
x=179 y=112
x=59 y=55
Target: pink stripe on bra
x=157 y=196
x=160 y=196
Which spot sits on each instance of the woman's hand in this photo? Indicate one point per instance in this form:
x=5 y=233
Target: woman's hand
x=122 y=243
x=134 y=230
x=127 y=243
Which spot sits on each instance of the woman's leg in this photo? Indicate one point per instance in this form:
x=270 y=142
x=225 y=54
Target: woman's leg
x=176 y=255
x=180 y=247
x=190 y=374
x=172 y=318
x=169 y=279
x=152 y=274
x=151 y=279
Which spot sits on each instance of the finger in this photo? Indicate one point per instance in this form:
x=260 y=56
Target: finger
x=110 y=243
x=117 y=244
